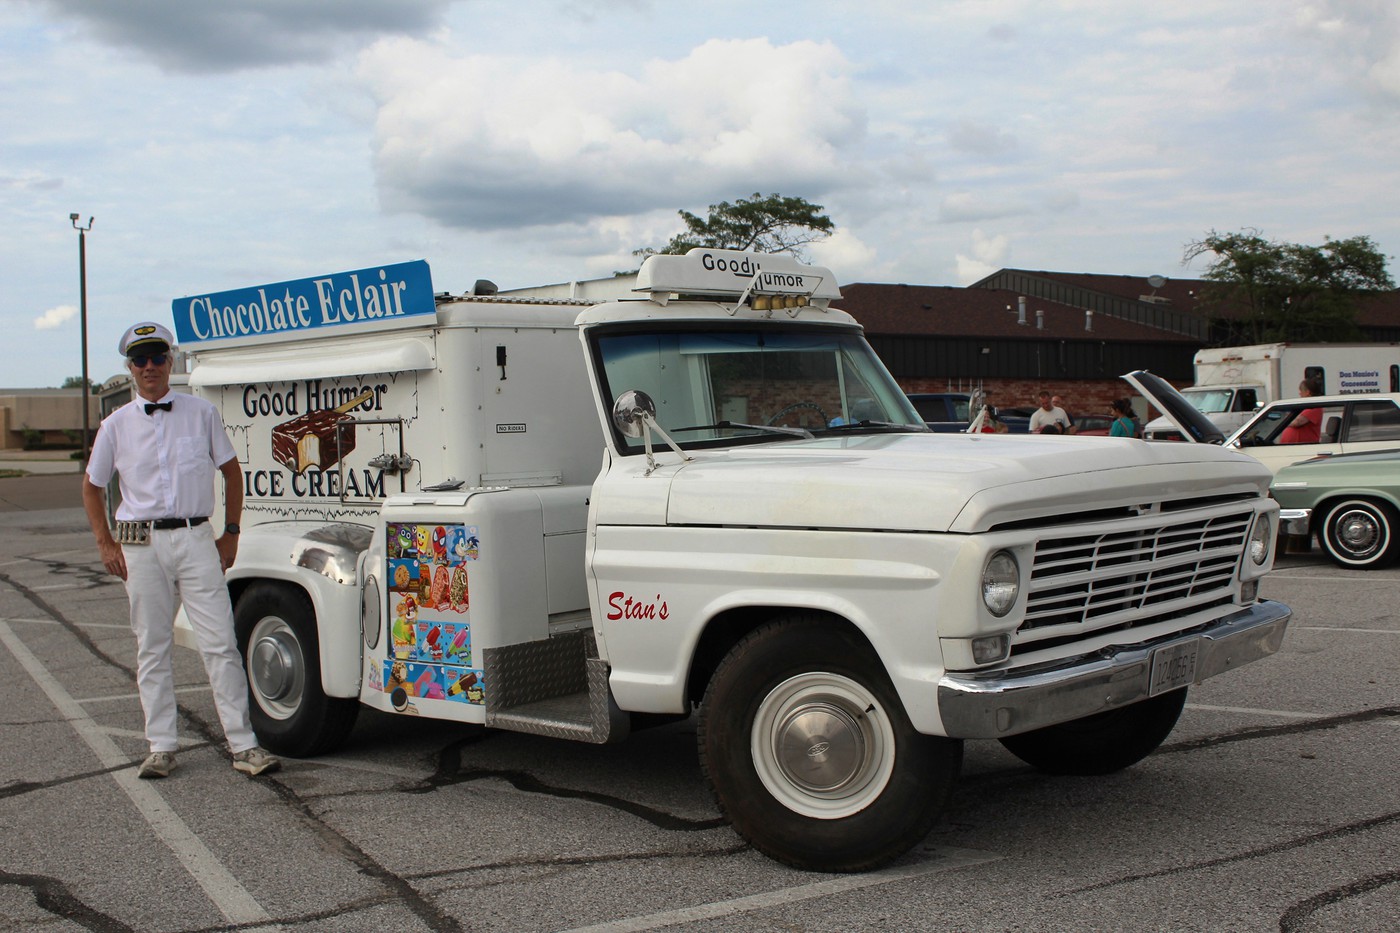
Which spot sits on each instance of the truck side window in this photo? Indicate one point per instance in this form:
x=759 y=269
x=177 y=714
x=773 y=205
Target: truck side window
x=1317 y=374
x=1246 y=400
x=931 y=409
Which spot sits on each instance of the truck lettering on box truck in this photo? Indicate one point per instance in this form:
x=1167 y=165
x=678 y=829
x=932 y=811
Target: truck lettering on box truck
x=773 y=542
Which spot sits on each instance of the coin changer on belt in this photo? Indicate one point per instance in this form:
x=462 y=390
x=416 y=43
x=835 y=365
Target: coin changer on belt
x=133 y=532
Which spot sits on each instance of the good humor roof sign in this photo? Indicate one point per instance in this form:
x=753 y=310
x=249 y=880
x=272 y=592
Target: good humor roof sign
x=365 y=299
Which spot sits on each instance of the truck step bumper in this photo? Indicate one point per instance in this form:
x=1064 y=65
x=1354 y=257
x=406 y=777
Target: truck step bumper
x=555 y=687
x=996 y=704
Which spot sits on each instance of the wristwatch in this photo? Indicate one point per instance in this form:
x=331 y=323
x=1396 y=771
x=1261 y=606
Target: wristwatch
x=231 y=528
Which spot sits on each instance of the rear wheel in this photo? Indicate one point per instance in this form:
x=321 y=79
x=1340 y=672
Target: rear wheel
x=291 y=714
x=810 y=754
x=1103 y=743
x=1360 y=533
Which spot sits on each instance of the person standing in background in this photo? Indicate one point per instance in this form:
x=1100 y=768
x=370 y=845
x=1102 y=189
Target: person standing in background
x=1047 y=414
x=1057 y=402
x=1124 y=425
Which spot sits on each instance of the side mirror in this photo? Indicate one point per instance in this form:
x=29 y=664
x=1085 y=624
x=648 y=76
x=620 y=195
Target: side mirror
x=629 y=410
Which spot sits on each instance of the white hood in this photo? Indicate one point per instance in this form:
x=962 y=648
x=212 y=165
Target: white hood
x=918 y=482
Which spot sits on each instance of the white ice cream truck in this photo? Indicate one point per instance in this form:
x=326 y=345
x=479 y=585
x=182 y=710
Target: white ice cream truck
x=711 y=498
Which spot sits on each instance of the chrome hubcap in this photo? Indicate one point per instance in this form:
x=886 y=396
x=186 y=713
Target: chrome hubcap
x=822 y=745
x=275 y=667
x=1358 y=533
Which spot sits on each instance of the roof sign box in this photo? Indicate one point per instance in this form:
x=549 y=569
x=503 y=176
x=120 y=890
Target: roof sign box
x=727 y=272
x=382 y=297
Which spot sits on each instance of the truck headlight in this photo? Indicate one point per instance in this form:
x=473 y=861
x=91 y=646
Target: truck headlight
x=1260 y=537
x=1001 y=583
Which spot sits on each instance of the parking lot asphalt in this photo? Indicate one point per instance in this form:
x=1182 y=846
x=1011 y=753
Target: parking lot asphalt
x=1272 y=807
x=40 y=491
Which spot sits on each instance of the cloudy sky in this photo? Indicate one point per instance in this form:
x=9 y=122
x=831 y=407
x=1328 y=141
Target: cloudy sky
x=220 y=145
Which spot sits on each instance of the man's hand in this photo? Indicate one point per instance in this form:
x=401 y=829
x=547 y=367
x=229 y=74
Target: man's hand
x=95 y=504
x=112 y=557
x=228 y=550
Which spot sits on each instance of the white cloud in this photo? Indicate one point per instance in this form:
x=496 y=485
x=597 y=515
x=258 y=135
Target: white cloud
x=988 y=255
x=846 y=255
x=980 y=139
x=1363 y=37
x=963 y=206
x=55 y=317
x=483 y=142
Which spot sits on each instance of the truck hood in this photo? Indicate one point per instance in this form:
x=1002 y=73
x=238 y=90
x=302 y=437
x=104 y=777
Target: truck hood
x=920 y=482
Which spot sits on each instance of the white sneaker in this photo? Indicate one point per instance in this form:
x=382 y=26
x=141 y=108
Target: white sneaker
x=156 y=765
x=255 y=761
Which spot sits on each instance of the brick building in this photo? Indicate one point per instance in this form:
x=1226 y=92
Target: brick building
x=1018 y=331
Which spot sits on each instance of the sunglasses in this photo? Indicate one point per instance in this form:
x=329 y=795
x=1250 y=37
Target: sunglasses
x=140 y=361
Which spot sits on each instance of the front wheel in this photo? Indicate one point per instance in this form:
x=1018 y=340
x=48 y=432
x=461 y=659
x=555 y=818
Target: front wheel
x=291 y=714
x=810 y=754
x=1104 y=742
x=1360 y=533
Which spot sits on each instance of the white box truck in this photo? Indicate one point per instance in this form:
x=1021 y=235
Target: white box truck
x=1232 y=383
x=711 y=499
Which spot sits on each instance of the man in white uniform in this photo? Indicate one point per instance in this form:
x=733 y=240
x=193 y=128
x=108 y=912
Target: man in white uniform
x=164 y=448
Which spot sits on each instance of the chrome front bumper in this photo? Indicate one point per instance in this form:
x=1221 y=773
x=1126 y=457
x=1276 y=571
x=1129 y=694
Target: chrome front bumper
x=1294 y=521
x=995 y=704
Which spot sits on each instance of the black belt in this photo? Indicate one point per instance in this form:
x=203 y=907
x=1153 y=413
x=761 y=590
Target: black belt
x=165 y=524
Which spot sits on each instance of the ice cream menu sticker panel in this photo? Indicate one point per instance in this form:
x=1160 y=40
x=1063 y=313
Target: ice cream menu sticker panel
x=430 y=637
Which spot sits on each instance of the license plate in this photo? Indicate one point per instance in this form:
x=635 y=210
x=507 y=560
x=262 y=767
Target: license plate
x=1174 y=666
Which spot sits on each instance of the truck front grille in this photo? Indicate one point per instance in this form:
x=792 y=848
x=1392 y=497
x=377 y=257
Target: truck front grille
x=1081 y=584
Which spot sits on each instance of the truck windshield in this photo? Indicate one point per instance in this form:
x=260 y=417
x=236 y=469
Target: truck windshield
x=1209 y=400
x=717 y=387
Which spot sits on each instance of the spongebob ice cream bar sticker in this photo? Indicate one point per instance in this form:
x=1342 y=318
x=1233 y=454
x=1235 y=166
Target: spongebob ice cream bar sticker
x=385 y=296
x=429 y=644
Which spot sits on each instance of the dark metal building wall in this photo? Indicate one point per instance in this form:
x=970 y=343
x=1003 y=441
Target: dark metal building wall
x=924 y=356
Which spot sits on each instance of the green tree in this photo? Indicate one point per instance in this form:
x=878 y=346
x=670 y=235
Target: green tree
x=772 y=224
x=76 y=382
x=1262 y=290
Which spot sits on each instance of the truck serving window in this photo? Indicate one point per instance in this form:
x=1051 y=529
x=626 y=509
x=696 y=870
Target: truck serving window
x=723 y=387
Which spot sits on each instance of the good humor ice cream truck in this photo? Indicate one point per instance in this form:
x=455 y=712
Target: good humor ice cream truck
x=711 y=498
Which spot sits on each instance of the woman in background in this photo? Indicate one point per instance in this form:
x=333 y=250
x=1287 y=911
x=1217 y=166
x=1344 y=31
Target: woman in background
x=1123 y=423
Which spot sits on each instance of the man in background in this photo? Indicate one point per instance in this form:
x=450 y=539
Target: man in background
x=1048 y=414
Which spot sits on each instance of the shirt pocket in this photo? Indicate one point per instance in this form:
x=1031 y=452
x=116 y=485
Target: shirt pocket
x=192 y=459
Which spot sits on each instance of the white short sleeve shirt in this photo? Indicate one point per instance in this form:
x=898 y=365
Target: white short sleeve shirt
x=1040 y=418
x=165 y=462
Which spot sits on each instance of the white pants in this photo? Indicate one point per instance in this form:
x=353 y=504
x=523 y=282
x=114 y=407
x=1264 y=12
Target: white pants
x=181 y=565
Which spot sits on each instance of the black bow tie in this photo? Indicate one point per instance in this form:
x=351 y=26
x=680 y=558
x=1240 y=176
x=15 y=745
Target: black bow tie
x=152 y=406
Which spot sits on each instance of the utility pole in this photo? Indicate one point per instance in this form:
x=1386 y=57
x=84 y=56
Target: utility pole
x=82 y=315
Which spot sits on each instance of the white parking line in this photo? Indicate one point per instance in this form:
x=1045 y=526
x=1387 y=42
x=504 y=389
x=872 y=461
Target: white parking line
x=940 y=859
x=182 y=741
x=136 y=696
x=1280 y=713
x=1324 y=576
x=125 y=626
x=1342 y=628
x=224 y=890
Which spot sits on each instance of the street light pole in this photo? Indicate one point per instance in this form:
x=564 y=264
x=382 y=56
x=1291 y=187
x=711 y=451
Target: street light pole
x=82 y=315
